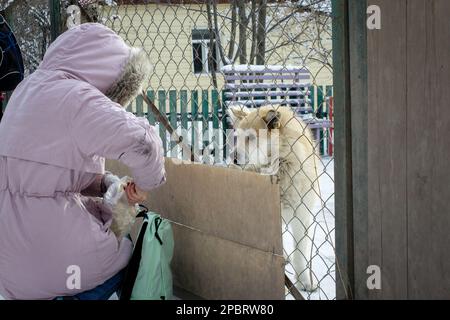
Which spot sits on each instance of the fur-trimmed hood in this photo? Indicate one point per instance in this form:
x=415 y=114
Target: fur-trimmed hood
x=95 y=54
x=86 y=77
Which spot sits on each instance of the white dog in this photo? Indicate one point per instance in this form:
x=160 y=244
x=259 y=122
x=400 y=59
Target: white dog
x=292 y=156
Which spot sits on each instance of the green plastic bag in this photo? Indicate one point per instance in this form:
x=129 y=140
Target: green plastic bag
x=148 y=275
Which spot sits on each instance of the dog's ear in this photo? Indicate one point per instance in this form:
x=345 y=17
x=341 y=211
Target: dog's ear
x=272 y=119
x=237 y=113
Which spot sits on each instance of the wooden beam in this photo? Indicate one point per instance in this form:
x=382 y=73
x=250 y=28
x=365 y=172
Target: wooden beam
x=343 y=147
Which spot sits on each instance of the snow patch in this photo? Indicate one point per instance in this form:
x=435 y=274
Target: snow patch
x=262 y=68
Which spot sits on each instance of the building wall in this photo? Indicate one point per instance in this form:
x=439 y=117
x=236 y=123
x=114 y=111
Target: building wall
x=165 y=33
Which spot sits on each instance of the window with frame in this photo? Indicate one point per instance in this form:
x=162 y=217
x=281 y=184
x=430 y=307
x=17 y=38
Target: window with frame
x=200 y=50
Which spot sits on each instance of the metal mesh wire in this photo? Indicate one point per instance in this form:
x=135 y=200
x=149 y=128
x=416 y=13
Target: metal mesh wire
x=270 y=62
x=190 y=43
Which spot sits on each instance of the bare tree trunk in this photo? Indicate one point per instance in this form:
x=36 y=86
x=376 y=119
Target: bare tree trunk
x=211 y=45
x=217 y=34
x=254 y=31
x=261 y=33
x=31 y=25
x=243 y=22
x=233 y=30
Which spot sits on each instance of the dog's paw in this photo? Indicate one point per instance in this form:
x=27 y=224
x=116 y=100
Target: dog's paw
x=305 y=283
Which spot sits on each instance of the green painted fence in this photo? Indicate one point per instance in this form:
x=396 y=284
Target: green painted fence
x=199 y=113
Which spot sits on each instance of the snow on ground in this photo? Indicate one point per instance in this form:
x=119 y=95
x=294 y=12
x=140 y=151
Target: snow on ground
x=323 y=264
x=324 y=239
x=261 y=68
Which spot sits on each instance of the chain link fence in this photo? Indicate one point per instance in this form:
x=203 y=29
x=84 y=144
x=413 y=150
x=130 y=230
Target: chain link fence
x=228 y=73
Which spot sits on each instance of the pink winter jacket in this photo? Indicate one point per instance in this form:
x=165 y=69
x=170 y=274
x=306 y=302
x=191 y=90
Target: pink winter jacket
x=60 y=124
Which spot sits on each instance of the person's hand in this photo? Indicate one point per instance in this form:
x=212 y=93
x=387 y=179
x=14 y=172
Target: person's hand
x=134 y=194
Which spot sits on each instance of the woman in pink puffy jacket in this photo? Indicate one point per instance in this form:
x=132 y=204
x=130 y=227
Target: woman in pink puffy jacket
x=61 y=123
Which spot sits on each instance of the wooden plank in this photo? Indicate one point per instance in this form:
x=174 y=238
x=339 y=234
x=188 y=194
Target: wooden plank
x=265 y=93
x=184 y=118
x=226 y=136
x=359 y=113
x=230 y=194
x=173 y=121
x=329 y=91
x=139 y=106
x=231 y=69
x=342 y=141
x=162 y=109
x=214 y=268
x=292 y=289
x=205 y=119
x=216 y=127
x=150 y=115
x=194 y=113
x=312 y=97
x=359 y=118
x=275 y=101
x=284 y=86
x=386 y=225
x=428 y=137
x=320 y=108
x=221 y=253
x=327 y=142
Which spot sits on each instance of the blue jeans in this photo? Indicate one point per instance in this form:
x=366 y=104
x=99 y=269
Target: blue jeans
x=101 y=292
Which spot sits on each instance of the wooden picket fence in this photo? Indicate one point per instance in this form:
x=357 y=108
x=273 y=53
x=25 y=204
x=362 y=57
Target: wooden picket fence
x=194 y=113
x=197 y=114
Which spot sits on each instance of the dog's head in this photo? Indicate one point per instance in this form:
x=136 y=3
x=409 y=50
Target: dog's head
x=257 y=133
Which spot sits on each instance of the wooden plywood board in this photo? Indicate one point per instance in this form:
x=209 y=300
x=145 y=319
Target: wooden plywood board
x=407 y=158
x=428 y=152
x=387 y=210
x=343 y=151
x=236 y=205
x=214 y=268
x=359 y=119
x=227 y=225
x=399 y=142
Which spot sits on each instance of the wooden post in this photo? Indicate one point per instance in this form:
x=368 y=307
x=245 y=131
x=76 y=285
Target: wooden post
x=343 y=165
